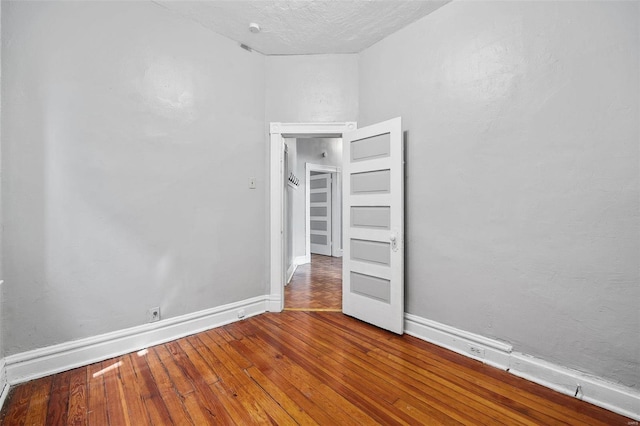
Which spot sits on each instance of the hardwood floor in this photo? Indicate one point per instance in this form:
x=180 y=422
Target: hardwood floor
x=294 y=368
x=316 y=285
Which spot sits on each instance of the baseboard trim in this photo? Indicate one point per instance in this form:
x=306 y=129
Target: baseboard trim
x=4 y=385
x=291 y=271
x=274 y=303
x=594 y=390
x=42 y=362
x=489 y=351
x=301 y=260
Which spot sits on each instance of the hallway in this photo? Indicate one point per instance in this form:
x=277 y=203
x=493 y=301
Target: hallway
x=316 y=286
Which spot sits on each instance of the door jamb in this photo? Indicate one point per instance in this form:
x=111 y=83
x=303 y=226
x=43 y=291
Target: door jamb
x=277 y=133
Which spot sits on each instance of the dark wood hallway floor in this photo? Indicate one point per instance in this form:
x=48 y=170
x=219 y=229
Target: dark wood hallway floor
x=316 y=285
x=294 y=368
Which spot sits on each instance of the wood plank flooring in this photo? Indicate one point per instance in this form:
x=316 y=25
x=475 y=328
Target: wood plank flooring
x=294 y=368
x=316 y=285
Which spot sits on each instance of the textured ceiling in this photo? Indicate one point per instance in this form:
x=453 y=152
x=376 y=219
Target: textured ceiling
x=304 y=26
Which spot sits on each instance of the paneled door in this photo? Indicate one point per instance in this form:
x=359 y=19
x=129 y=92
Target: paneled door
x=373 y=225
x=320 y=213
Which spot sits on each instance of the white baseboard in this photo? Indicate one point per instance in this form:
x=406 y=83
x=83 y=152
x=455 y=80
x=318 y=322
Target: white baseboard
x=42 y=362
x=301 y=260
x=291 y=271
x=489 y=351
x=275 y=303
x=4 y=385
x=594 y=390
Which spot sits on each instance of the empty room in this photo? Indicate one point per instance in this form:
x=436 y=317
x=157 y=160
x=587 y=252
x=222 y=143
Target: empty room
x=456 y=183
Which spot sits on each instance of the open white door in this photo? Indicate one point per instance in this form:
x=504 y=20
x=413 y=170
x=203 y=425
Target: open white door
x=373 y=225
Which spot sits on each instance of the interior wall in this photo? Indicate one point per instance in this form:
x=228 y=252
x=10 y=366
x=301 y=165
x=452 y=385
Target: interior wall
x=311 y=88
x=1 y=222
x=129 y=137
x=289 y=193
x=309 y=150
x=521 y=123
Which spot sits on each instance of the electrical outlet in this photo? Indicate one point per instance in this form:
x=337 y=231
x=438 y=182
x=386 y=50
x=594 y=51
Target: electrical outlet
x=476 y=351
x=153 y=314
x=241 y=313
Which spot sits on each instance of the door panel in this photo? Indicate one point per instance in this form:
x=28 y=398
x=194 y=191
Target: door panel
x=320 y=213
x=369 y=286
x=318 y=197
x=369 y=148
x=371 y=182
x=370 y=251
x=373 y=235
x=318 y=225
x=371 y=217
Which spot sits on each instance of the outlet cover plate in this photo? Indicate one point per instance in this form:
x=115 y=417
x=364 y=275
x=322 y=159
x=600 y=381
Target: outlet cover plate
x=476 y=351
x=153 y=314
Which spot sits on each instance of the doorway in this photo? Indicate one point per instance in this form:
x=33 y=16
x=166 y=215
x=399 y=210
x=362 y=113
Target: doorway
x=313 y=219
x=373 y=219
x=280 y=131
x=323 y=209
x=320 y=213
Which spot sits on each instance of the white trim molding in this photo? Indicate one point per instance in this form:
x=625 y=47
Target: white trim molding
x=301 y=260
x=596 y=391
x=275 y=303
x=291 y=271
x=593 y=390
x=316 y=130
x=4 y=384
x=489 y=351
x=42 y=362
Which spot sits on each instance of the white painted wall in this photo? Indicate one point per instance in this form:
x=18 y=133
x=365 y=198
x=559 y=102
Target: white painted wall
x=521 y=121
x=1 y=227
x=129 y=136
x=309 y=150
x=309 y=88
x=289 y=194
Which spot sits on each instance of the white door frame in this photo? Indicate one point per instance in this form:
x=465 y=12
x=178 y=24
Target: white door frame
x=336 y=194
x=279 y=131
